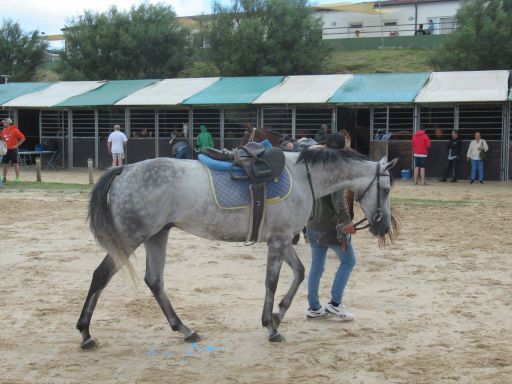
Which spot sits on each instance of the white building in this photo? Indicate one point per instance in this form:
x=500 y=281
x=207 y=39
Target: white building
x=387 y=18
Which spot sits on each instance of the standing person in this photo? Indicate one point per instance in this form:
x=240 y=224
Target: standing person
x=3 y=151
x=13 y=138
x=204 y=139
x=476 y=153
x=329 y=212
x=321 y=135
x=453 y=146
x=430 y=27
x=179 y=146
x=117 y=143
x=420 y=146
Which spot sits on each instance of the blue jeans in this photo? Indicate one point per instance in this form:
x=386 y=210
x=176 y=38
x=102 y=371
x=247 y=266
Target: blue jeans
x=319 y=255
x=480 y=165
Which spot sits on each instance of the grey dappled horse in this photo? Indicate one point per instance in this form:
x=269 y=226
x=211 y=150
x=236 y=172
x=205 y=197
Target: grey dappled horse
x=139 y=203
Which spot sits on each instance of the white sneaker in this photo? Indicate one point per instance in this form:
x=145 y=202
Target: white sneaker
x=340 y=311
x=318 y=313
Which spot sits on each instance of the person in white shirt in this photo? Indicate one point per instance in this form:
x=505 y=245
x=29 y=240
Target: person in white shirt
x=476 y=153
x=117 y=142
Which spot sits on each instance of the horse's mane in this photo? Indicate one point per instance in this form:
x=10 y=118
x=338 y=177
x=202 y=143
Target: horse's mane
x=320 y=154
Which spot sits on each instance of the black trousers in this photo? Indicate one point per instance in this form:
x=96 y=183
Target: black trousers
x=454 y=165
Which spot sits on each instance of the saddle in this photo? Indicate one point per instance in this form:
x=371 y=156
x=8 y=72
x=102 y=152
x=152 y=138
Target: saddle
x=261 y=163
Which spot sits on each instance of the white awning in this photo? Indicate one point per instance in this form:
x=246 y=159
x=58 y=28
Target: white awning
x=461 y=87
x=168 y=92
x=54 y=94
x=312 y=89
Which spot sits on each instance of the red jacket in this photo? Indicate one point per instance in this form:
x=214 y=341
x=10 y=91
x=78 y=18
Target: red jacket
x=420 y=143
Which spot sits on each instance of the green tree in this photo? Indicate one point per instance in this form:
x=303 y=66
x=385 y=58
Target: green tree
x=265 y=37
x=482 y=38
x=145 y=42
x=22 y=52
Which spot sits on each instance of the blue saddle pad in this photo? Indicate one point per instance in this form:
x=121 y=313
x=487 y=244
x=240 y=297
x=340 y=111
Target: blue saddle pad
x=218 y=164
x=234 y=194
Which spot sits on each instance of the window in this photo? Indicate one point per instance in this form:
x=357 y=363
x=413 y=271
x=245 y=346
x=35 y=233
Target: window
x=278 y=119
x=446 y=25
x=356 y=25
x=437 y=121
x=309 y=120
x=83 y=123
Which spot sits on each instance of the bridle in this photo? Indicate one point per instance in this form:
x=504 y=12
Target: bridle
x=378 y=215
x=358 y=225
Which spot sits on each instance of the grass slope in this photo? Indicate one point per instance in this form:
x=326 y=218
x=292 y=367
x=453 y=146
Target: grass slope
x=379 y=60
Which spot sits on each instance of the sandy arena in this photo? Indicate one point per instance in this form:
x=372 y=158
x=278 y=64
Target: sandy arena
x=433 y=308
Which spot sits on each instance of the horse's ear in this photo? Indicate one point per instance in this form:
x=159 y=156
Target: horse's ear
x=391 y=164
x=384 y=160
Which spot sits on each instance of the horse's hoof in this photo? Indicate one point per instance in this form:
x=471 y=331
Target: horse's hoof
x=88 y=344
x=277 y=338
x=193 y=338
x=276 y=319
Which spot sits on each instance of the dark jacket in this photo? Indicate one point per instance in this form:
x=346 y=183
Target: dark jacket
x=454 y=145
x=329 y=211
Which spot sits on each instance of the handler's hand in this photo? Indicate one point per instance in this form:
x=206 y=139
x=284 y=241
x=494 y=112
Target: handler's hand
x=350 y=229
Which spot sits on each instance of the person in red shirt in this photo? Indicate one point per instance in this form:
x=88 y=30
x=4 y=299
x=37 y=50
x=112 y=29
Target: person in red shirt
x=13 y=138
x=420 y=146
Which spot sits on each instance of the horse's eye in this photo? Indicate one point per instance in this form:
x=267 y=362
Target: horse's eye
x=386 y=191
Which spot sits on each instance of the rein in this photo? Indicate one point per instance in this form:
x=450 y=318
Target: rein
x=312 y=191
x=378 y=215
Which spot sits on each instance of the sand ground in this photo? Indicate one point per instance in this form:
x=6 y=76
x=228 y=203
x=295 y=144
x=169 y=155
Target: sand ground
x=433 y=308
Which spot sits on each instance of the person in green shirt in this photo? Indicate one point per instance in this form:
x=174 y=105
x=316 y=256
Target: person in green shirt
x=329 y=212
x=204 y=139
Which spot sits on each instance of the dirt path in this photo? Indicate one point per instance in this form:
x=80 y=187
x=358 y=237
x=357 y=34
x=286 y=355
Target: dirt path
x=433 y=308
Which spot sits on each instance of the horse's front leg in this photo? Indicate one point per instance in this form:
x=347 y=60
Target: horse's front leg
x=295 y=264
x=276 y=253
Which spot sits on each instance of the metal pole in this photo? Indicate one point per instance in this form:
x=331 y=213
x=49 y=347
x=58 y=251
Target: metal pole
x=294 y=122
x=221 y=128
x=96 y=138
x=70 y=139
x=381 y=30
x=157 y=134
x=387 y=131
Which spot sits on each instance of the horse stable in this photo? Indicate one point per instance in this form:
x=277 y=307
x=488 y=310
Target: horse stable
x=380 y=111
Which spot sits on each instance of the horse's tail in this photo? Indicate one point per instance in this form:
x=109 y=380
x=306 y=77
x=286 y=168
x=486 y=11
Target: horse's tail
x=101 y=222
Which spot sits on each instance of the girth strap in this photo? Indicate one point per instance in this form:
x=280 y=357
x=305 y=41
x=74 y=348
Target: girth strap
x=257 y=214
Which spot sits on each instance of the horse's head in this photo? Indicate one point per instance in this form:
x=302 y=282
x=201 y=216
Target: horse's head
x=374 y=198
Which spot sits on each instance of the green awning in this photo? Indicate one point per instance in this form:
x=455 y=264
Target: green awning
x=380 y=88
x=11 y=91
x=107 y=94
x=234 y=90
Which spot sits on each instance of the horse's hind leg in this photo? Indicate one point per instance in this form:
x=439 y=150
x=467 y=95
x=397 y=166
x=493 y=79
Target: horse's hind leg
x=100 y=279
x=155 y=264
x=276 y=249
x=295 y=264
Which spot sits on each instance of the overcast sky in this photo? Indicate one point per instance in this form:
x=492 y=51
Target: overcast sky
x=50 y=16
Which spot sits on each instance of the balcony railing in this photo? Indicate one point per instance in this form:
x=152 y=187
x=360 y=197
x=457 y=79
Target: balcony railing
x=387 y=30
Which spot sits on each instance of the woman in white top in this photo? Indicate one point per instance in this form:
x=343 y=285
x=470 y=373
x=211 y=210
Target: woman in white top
x=476 y=153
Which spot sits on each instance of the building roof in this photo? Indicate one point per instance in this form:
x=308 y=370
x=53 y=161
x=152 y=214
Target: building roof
x=313 y=89
x=54 y=94
x=394 y=3
x=380 y=88
x=234 y=90
x=10 y=91
x=370 y=89
x=168 y=91
x=107 y=94
x=460 y=87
